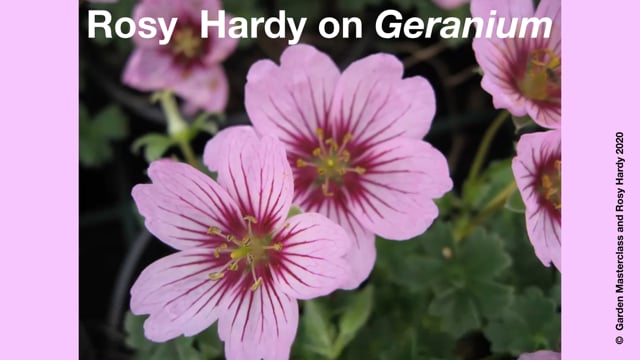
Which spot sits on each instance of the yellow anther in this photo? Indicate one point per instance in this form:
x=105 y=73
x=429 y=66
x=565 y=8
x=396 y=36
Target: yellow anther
x=185 y=42
x=331 y=160
x=213 y=230
x=250 y=219
x=346 y=156
x=256 y=284
x=233 y=266
x=216 y=251
x=325 y=189
x=277 y=246
x=216 y=276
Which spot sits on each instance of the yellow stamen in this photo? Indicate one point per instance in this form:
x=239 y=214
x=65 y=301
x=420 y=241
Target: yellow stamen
x=301 y=163
x=217 y=250
x=213 y=230
x=186 y=43
x=541 y=80
x=331 y=160
x=233 y=266
x=256 y=284
x=216 y=276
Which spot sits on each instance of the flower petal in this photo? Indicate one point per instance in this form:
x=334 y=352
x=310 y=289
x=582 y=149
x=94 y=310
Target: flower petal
x=216 y=152
x=182 y=203
x=220 y=47
x=552 y=9
x=178 y=295
x=497 y=56
x=362 y=255
x=206 y=88
x=450 y=4
x=373 y=102
x=291 y=101
x=311 y=262
x=399 y=185
x=156 y=9
x=149 y=69
x=509 y=9
x=495 y=59
x=193 y=8
x=541 y=355
x=361 y=258
x=258 y=176
x=258 y=324
x=543 y=228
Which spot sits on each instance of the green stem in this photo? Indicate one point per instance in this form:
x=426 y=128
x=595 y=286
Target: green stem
x=187 y=151
x=487 y=138
x=493 y=206
x=177 y=128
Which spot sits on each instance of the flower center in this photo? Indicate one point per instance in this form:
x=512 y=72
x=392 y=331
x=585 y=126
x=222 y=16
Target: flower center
x=186 y=44
x=251 y=250
x=549 y=187
x=541 y=79
x=331 y=160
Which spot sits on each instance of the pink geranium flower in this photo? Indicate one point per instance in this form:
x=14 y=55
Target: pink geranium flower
x=537 y=172
x=354 y=141
x=522 y=74
x=450 y=4
x=189 y=64
x=541 y=355
x=241 y=261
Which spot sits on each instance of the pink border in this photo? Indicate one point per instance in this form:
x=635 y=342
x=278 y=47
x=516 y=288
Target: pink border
x=39 y=192
x=600 y=96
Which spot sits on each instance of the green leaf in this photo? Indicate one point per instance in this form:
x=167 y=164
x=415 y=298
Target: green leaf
x=133 y=326
x=515 y=203
x=354 y=317
x=209 y=344
x=293 y=211
x=180 y=348
x=96 y=134
x=465 y=278
x=111 y=123
x=527 y=270
x=483 y=255
x=202 y=123
x=493 y=180
x=531 y=323
x=457 y=309
x=318 y=331
x=176 y=349
x=155 y=145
